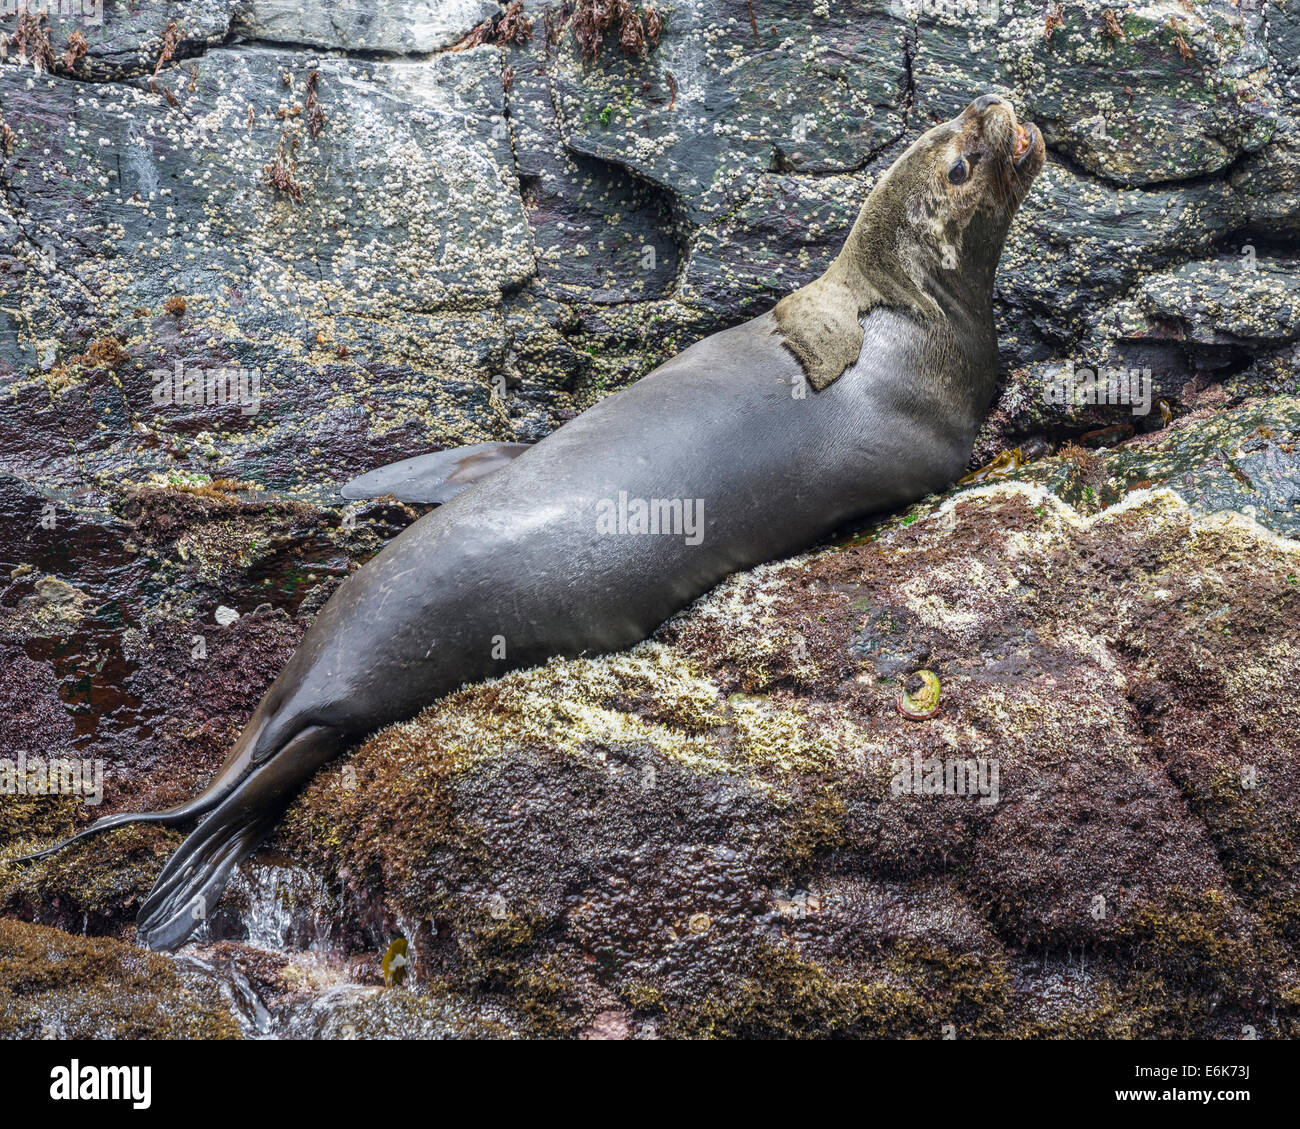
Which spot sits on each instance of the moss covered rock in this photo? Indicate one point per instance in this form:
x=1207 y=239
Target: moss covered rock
x=722 y=832
x=57 y=986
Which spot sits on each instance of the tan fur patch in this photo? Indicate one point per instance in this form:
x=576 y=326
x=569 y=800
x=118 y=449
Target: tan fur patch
x=821 y=322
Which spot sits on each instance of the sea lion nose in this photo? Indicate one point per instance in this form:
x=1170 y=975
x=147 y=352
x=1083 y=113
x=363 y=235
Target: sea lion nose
x=984 y=101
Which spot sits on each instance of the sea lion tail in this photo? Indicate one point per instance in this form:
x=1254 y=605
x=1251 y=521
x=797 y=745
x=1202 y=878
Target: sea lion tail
x=196 y=874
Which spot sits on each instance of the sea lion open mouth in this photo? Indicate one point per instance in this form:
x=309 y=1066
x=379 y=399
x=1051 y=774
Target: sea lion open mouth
x=1024 y=139
x=1028 y=139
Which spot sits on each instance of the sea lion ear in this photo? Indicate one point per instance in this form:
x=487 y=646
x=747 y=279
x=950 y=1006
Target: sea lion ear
x=436 y=478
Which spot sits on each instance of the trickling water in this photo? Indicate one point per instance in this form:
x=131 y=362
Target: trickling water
x=415 y=933
x=285 y=907
x=285 y=910
x=253 y=1016
x=272 y=951
x=328 y=1015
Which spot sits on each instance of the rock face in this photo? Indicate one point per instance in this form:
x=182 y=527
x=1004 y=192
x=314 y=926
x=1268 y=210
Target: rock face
x=251 y=249
x=1150 y=93
x=418 y=237
x=731 y=830
x=57 y=986
x=397 y=29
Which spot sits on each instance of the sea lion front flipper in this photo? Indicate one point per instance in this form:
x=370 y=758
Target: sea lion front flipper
x=435 y=478
x=195 y=876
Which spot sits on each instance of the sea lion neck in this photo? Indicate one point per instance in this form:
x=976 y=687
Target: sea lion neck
x=870 y=261
x=821 y=321
x=880 y=264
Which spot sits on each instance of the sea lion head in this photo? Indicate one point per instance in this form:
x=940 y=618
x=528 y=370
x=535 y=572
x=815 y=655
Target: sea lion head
x=927 y=240
x=955 y=191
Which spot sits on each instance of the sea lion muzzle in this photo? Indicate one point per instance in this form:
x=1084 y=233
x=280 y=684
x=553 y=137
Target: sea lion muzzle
x=990 y=122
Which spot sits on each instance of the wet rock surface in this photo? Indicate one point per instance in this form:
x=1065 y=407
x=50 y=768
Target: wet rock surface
x=58 y=986
x=420 y=236
x=248 y=251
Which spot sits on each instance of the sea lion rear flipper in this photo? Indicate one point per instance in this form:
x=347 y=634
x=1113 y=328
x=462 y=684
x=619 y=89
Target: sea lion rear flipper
x=225 y=782
x=435 y=478
x=178 y=814
x=196 y=874
x=195 y=877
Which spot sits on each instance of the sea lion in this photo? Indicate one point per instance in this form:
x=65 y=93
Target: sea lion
x=857 y=394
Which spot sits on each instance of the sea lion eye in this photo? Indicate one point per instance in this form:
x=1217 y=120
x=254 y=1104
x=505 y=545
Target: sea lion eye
x=959 y=171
